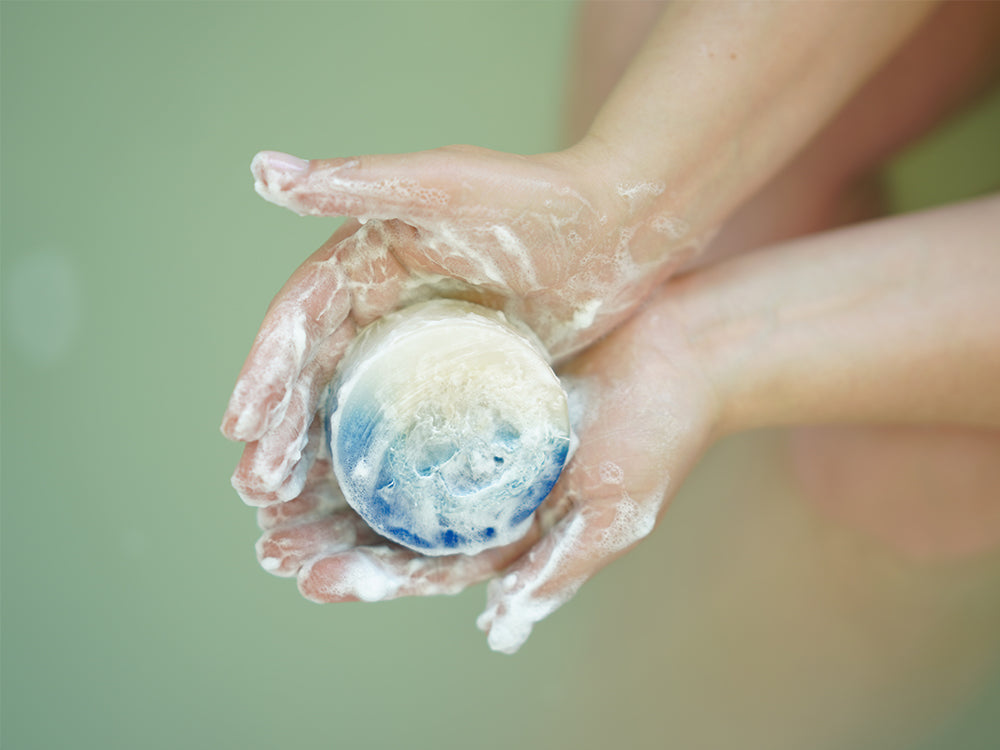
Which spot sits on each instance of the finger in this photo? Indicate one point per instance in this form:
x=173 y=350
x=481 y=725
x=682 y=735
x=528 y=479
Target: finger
x=284 y=551
x=389 y=264
x=253 y=488
x=274 y=468
x=408 y=186
x=295 y=482
x=389 y=571
x=310 y=307
x=589 y=537
x=320 y=497
x=376 y=278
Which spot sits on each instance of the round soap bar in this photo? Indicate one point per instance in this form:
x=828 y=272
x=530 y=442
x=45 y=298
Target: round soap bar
x=447 y=427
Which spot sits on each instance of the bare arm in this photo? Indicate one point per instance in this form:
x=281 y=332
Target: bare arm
x=569 y=242
x=892 y=321
x=608 y=35
x=897 y=320
x=724 y=94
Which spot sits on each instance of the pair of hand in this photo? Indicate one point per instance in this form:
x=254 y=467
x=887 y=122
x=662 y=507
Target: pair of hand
x=545 y=240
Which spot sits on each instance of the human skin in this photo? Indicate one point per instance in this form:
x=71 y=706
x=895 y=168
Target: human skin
x=817 y=351
x=954 y=54
x=795 y=334
x=926 y=492
x=375 y=278
x=569 y=242
x=741 y=89
x=921 y=490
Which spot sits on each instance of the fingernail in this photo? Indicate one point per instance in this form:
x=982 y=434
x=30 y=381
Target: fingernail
x=283 y=162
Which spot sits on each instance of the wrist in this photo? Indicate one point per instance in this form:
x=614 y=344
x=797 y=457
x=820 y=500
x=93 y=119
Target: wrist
x=684 y=376
x=645 y=197
x=725 y=338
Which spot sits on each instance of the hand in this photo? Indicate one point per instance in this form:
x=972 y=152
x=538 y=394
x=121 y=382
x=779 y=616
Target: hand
x=645 y=414
x=541 y=237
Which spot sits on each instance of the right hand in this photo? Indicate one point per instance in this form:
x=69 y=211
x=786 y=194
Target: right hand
x=543 y=238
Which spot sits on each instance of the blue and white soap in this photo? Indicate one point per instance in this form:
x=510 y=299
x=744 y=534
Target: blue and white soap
x=447 y=427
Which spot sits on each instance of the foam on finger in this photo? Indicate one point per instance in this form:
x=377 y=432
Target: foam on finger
x=305 y=319
x=283 y=551
x=534 y=588
x=341 y=187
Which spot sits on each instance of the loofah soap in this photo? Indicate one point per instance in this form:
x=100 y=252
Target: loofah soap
x=447 y=427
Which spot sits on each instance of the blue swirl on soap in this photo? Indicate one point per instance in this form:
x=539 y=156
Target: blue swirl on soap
x=434 y=493
x=448 y=427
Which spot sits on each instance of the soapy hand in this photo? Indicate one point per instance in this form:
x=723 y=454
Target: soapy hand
x=645 y=414
x=543 y=238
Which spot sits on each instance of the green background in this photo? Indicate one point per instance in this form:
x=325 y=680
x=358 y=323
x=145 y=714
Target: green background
x=136 y=265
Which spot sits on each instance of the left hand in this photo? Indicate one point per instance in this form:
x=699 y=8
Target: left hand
x=543 y=238
x=647 y=413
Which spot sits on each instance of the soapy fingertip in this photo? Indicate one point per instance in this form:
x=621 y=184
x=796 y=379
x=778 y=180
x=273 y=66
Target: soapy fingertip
x=508 y=634
x=264 y=162
x=243 y=420
x=270 y=564
x=258 y=402
x=351 y=576
x=275 y=174
x=485 y=619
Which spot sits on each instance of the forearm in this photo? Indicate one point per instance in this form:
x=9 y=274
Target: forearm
x=723 y=94
x=893 y=321
x=608 y=36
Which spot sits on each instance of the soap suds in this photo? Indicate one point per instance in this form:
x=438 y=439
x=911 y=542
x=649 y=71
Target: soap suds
x=301 y=327
x=585 y=315
x=359 y=576
x=671 y=226
x=380 y=573
x=330 y=190
x=632 y=523
x=640 y=192
x=320 y=498
x=611 y=473
x=283 y=551
x=512 y=611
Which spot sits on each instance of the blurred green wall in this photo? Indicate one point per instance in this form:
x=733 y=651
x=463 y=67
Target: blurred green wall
x=136 y=265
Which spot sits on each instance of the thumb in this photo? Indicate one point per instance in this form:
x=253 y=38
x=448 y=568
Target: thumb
x=594 y=533
x=395 y=186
